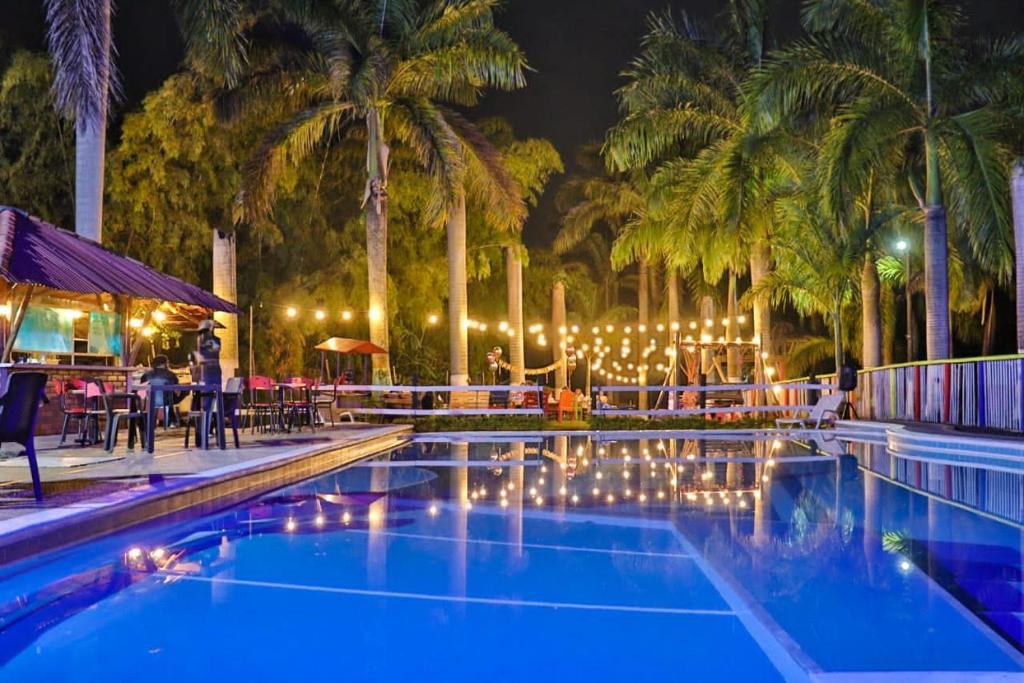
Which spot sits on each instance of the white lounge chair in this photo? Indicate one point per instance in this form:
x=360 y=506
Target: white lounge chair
x=827 y=405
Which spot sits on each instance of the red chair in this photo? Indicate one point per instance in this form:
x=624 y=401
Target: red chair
x=263 y=407
x=299 y=404
x=566 y=404
x=71 y=409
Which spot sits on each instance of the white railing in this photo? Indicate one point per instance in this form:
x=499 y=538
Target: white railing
x=497 y=399
x=754 y=399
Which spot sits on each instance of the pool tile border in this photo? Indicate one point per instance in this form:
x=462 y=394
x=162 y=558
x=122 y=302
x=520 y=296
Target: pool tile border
x=192 y=494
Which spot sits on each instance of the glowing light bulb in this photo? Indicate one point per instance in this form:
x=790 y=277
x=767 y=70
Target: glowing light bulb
x=320 y=315
x=347 y=315
x=290 y=525
x=291 y=312
x=596 y=491
x=432 y=510
x=504 y=502
x=433 y=319
x=318 y=520
x=134 y=553
x=346 y=518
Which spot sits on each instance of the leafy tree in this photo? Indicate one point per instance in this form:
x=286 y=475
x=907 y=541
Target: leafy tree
x=36 y=171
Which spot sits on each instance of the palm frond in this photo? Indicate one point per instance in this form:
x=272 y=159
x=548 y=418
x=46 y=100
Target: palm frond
x=79 y=39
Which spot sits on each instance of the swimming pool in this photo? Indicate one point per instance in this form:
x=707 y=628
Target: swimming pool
x=551 y=558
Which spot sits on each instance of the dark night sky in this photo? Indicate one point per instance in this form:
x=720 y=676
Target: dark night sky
x=577 y=48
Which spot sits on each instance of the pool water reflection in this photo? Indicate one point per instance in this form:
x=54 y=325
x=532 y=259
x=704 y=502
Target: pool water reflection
x=543 y=559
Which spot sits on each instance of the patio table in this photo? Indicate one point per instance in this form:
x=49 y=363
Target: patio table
x=218 y=397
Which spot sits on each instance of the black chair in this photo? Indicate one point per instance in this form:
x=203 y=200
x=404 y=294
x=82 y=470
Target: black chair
x=19 y=408
x=205 y=422
x=132 y=413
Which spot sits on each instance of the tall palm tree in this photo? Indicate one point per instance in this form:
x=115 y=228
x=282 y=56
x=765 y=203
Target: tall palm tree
x=912 y=92
x=84 y=80
x=685 y=110
x=383 y=70
x=497 y=195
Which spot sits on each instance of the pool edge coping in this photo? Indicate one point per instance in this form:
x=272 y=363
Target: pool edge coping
x=53 y=529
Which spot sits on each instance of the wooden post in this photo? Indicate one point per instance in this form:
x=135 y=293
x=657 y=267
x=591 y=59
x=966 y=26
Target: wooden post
x=140 y=338
x=124 y=308
x=17 y=317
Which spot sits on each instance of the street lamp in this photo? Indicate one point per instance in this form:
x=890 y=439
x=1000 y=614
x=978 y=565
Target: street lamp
x=904 y=248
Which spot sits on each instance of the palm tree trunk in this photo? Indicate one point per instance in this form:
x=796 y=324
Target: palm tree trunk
x=936 y=257
x=672 y=283
x=988 y=321
x=1017 y=195
x=760 y=266
x=732 y=331
x=90 y=160
x=516 y=347
x=644 y=318
x=376 y=215
x=837 y=334
x=91 y=140
x=888 y=306
x=557 y=325
x=871 y=313
x=458 y=304
x=225 y=285
x=707 y=312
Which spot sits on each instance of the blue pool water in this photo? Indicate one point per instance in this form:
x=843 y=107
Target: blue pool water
x=562 y=558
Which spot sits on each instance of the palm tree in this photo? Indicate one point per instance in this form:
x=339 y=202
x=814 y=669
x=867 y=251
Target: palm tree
x=500 y=199
x=908 y=90
x=84 y=80
x=685 y=109
x=383 y=70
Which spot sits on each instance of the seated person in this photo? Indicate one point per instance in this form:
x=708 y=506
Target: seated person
x=161 y=375
x=602 y=401
x=580 y=404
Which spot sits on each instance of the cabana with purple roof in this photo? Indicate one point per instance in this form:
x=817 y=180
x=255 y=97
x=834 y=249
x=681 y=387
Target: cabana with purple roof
x=73 y=308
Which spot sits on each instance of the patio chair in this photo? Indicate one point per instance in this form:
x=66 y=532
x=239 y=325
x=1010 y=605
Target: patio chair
x=326 y=398
x=132 y=413
x=19 y=408
x=566 y=404
x=71 y=411
x=232 y=407
x=262 y=406
x=828 y=405
x=299 y=404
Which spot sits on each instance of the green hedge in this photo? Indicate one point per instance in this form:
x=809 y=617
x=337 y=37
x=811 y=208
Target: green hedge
x=535 y=423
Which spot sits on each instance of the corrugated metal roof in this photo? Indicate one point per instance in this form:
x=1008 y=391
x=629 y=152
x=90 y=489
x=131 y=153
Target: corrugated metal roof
x=34 y=252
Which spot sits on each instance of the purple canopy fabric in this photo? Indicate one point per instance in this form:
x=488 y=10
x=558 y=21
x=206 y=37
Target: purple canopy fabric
x=35 y=252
